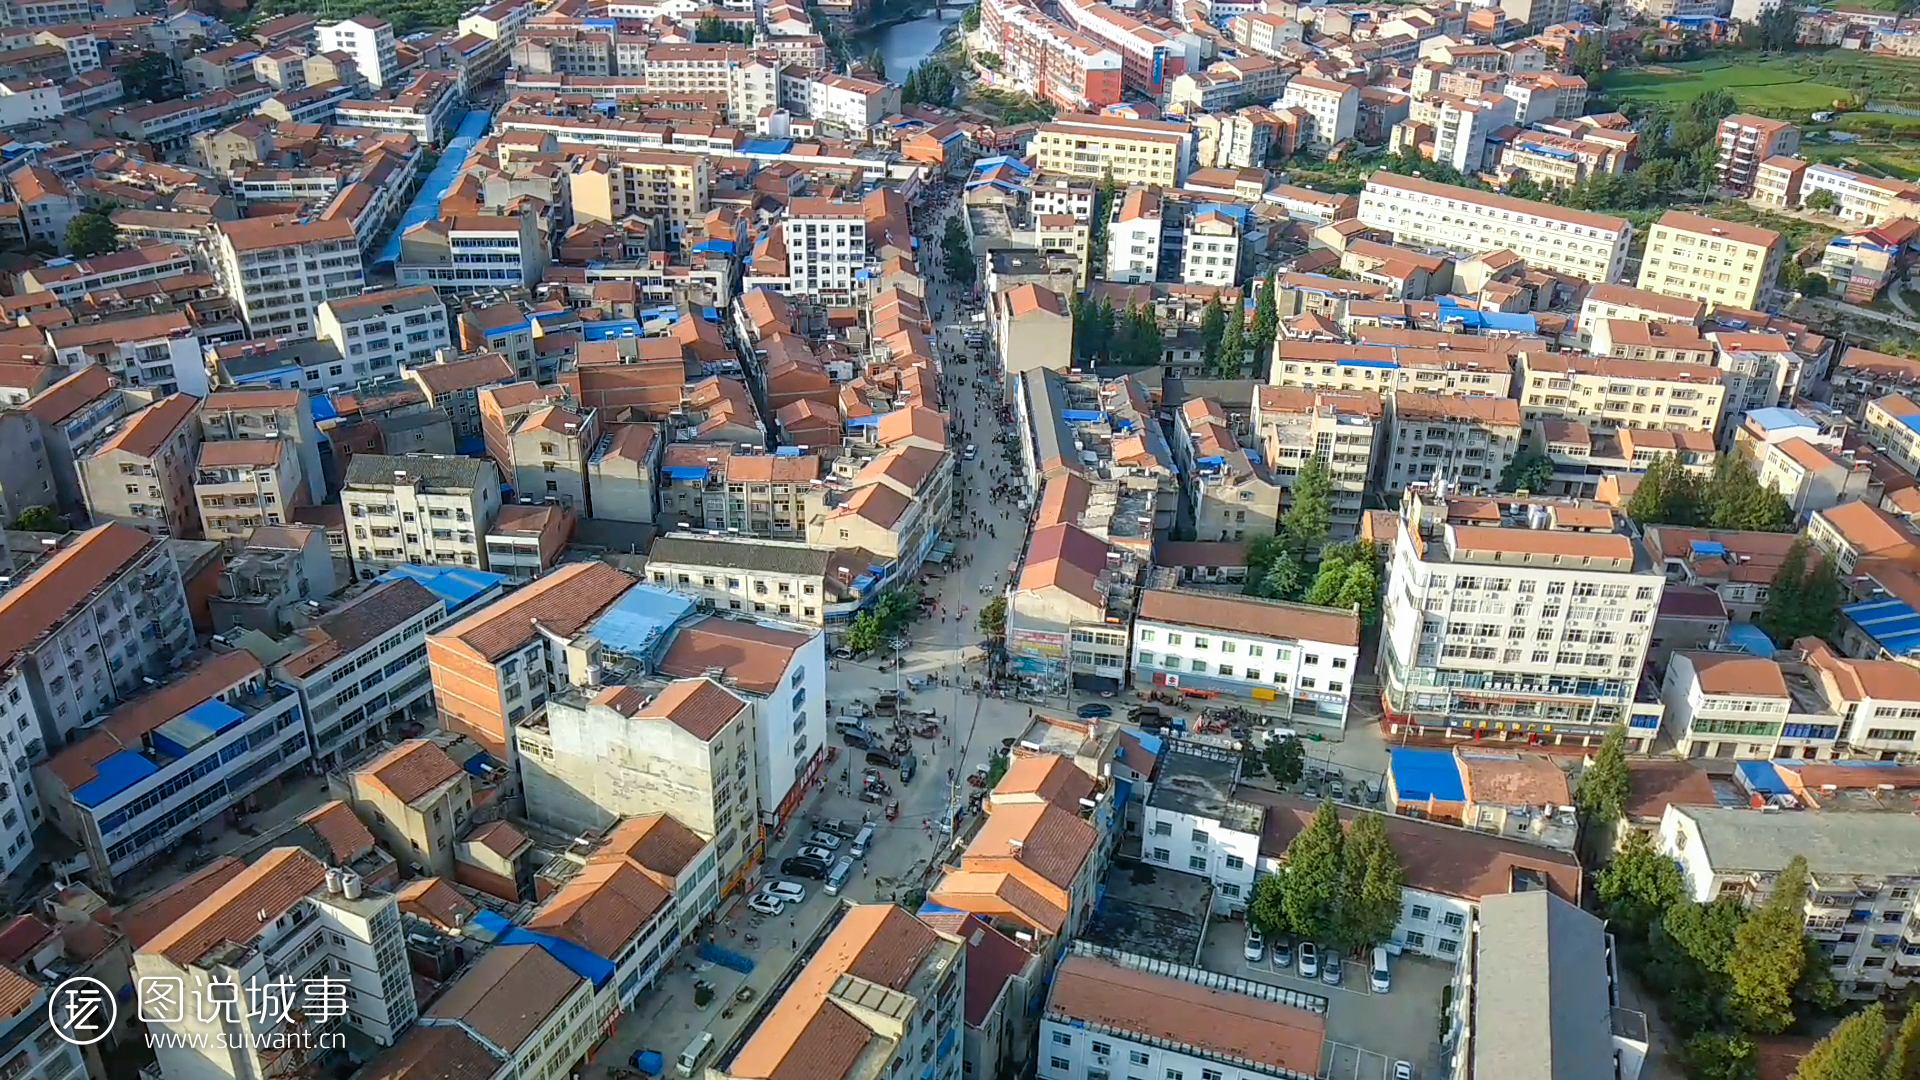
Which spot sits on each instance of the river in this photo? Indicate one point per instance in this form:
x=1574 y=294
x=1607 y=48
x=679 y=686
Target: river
x=904 y=46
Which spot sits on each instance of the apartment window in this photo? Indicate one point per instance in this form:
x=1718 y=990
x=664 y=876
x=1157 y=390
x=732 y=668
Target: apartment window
x=1163 y=828
x=1454 y=920
x=1422 y=912
x=1102 y=1047
x=1061 y=1038
x=1061 y=1064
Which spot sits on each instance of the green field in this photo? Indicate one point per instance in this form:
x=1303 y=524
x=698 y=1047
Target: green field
x=1762 y=85
x=1784 y=86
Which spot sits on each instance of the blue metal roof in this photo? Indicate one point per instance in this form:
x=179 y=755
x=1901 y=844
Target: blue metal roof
x=113 y=776
x=1760 y=776
x=1893 y=624
x=453 y=161
x=582 y=962
x=456 y=586
x=1751 y=638
x=766 y=146
x=609 y=330
x=639 y=619
x=1707 y=549
x=1427 y=774
x=1774 y=419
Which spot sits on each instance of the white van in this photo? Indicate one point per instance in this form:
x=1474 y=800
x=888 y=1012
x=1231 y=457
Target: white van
x=689 y=1060
x=1380 y=978
x=862 y=841
x=842 y=870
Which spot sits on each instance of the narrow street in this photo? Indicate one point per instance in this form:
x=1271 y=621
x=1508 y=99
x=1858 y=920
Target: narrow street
x=944 y=644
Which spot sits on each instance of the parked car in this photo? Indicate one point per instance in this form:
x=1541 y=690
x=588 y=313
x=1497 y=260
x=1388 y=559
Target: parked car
x=825 y=839
x=1309 y=960
x=1330 y=970
x=1282 y=955
x=818 y=854
x=764 y=904
x=1255 y=949
x=972 y=452
x=1336 y=788
x=801 y=866
x=1403 y=1070
x=1089 y=712
x=787 y=892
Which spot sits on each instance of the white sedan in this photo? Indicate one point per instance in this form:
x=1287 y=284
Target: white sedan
x=787 y=892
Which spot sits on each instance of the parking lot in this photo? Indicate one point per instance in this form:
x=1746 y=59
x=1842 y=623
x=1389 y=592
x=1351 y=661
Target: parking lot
x=1366 y=1032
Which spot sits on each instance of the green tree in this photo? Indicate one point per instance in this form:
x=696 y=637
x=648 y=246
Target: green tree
x=993 y=617
x=1284 y=580
x=1309 y=519
x=1370 y=905
x=1233 y=346
x=1769 y=950
x=1213 y=329
x=1819 y=200
x=1327 y=583
x=1589 y=61
x=1713 y=1055
x=1266 y=321
x=1855 y=1050
x=1360 y=590
x=864 y=634
x=40 y=519
x=1267 y=910
x=1903 y=1054
x=152 y=76
x=1261 y=551
x=92 y=233
x=970 y=19
x=957 y=253
x=1314 y=871
x=1801 y=602
x=1668 y=494
x=878 y=62
x=1638 y=887
x=1736 y=499
x=1604 y=785
x=1286 y=760
x=1528 y=470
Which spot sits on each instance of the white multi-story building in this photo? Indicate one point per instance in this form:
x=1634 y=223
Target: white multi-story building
x=1857 y=197
x=369 y=40
x=285 y=920
x=19 y=801
x=381 y=332
x=167 y=763
x=1534 y=626
x=1861 y=865
x=468 y=252
x=33 y=1049
x=1213 y=244
x=1108 y=1011
x=160 y=352
x=598 y=754
x=826 y=247
x=1537 y=996
x=1192 y=823
x=1294 y=661
x=1332 y=108
x=1737 y=705
x=89 y=624
x=1463 y=128
x=362 y=666
x=279 y=269
x=420 y=508
x=1133 y=238
x=1420 y=212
